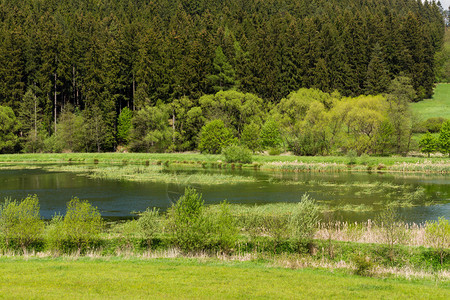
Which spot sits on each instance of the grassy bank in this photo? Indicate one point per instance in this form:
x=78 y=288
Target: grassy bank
x=194 y=278
x=281 y=162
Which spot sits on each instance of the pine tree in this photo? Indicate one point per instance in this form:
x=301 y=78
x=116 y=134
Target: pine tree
x=223 y=77
x=377 y=78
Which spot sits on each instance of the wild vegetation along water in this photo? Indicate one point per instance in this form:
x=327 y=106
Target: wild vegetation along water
x=356 y=196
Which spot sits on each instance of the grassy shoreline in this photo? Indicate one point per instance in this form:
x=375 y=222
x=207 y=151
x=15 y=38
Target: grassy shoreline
x=288 y=163
x=32 y=277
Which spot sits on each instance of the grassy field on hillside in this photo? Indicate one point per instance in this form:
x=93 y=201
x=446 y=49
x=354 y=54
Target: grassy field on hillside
x=120 y=278
x=438 y=106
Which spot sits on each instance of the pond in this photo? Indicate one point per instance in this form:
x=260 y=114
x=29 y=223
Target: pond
x=354 y=196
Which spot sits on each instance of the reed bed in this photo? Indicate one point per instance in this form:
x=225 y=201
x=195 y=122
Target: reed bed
x=150 y=173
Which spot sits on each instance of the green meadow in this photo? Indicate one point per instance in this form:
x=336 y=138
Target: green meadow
x=437 y=106
x=195 y=278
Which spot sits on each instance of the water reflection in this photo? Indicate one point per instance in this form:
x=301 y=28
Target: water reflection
x=359 y=196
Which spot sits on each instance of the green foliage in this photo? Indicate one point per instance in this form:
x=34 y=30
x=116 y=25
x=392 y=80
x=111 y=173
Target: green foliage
x=224 y=228
x=437 y=234
x=187 y=222
x=364 y=265
x=377 y=78
x=214 y=136
x=20 y=221
x=433 y=125
x=234 y=108
x=151 y=131
x=270 y=134
x=124 y=126
x=149 y=224
x=235 y=153
x=55 y=236
x=81 y=223
x=30 y=115
x=70 y=133
x=428 y=144
x=304 y=218
x=250 y=137
x=223 y=77
x=444 y=138
x=9 y=127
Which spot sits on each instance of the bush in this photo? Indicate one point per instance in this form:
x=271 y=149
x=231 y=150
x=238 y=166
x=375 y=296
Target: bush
x=235 y=153
x=225 y=231
x=274 y=151
x=214 y=136
x=81 y=223
x=187 y=223
x=363 y=265
x=433 y=125
x=304 y=219
x=20 y=221
x=149 y=224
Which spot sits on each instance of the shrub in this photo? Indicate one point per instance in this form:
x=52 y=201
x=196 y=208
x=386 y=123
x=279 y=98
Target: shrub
x=235 y=153
x=363 y=265
x=149 y=224
x=438 y=236
x=225 y=231
x=433 y=125
x=54 y=234
x=187 y=222
x=277 y=227
x=21 y=222
x=81 y=223
x=214 y=136
x=274 y=151
x=304 y=219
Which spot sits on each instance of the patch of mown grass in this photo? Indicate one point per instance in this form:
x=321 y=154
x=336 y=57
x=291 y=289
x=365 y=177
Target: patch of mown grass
x=194 y=278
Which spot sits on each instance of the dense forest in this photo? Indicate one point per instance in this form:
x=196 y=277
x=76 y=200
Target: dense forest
x=90 y=75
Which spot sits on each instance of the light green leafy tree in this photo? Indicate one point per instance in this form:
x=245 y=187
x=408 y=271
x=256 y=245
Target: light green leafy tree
x=149 y=223
x=81 y=223
x=214 y=136
x=151 y=131
x=250 y=137
x=303 y=220
x=20 y=221
x=428 y=144
x=444 y=138
x=187 y=222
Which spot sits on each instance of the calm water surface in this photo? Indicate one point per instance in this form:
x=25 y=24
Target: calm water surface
x=118 y=199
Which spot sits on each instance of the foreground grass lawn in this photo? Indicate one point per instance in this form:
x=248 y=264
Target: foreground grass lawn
x=438 y=106
x=191 y=278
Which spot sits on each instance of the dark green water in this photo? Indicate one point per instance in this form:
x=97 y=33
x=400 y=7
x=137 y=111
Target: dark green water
x=359 y=196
